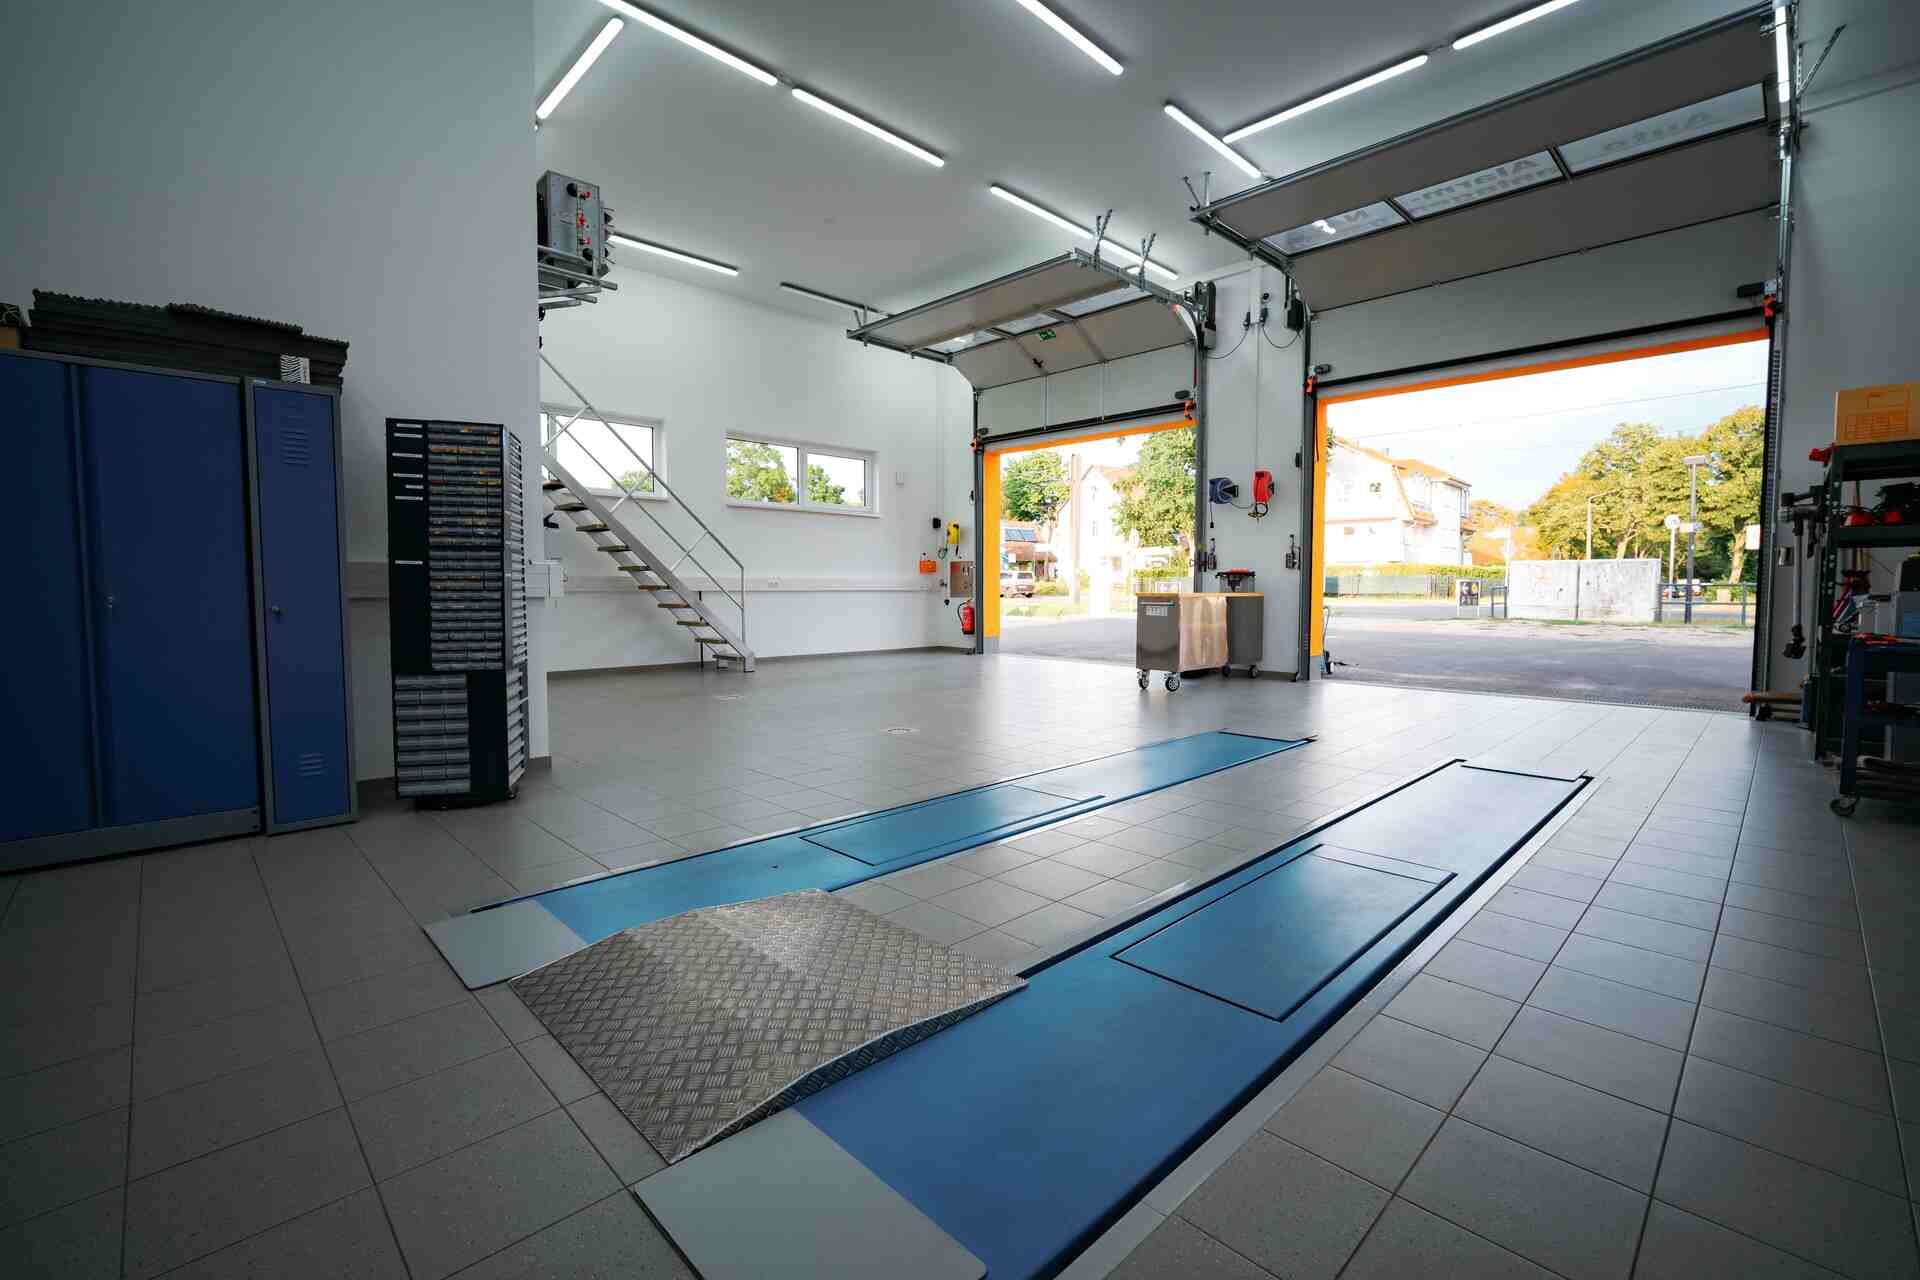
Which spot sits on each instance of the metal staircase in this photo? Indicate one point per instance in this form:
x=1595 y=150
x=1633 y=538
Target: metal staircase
x=714 y=616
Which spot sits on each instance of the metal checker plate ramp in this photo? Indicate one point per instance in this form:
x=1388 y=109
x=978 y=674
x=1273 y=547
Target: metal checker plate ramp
x=700 y=1024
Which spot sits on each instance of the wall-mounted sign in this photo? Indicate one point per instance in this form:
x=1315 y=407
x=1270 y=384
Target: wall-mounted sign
x=1484 y=184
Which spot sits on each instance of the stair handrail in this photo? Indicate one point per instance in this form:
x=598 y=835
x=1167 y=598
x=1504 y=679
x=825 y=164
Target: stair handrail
x=627 y=493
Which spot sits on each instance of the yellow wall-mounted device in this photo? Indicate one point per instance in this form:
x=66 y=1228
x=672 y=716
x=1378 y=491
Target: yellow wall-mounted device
x=953 y=535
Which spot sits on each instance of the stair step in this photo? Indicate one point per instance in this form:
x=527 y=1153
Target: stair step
x=634 y=568
x=569 y=506
x=672 y=604
x=695 y=622
x=653 y=586
x=548 y=486
x=612 y=547
x=595 y=527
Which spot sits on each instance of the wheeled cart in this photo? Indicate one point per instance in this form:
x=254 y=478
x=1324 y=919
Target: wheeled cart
x=1178 y=632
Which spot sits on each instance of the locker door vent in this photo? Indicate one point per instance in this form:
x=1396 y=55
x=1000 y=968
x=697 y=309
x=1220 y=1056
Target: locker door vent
x=296 y=447
x=311 y=764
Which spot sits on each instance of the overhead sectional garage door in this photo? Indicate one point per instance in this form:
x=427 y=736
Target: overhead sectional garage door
x=1678 y=134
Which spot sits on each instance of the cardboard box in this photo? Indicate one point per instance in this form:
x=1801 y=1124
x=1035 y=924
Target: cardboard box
x=1877 y=415
x=9 y=336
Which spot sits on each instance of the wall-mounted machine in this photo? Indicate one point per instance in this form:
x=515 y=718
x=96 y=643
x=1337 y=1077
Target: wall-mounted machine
x=572 y=227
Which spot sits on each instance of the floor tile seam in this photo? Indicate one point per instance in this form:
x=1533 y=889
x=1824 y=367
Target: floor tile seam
x=366 y=1165
x=624 y=1190
x=133 y=1019
x=1694 y=999
x=1785 y=982
x=1749 y=1069
x=1802 y=1161
x=255 y=1235
x=1180 y=1214
x=1811 y=1035
x=1775 y=915
x=380 y=1180
x=1634 y=946
x=1743 y=1234
x=1847 y=831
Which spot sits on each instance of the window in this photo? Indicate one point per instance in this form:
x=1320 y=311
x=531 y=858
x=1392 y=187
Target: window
x=776 y=474
x=609 y=456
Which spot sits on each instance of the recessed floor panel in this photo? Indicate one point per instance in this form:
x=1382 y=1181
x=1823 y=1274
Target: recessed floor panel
x=1273 y=942
x=901 y=833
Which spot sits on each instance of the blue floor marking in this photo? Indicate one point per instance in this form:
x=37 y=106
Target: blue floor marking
x=1029 y=1128
x=798 y=860
x=890 y=837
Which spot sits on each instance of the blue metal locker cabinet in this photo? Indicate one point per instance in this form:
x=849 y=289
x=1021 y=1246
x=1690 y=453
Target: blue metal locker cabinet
x=45 y=665
x=306 y=706
x=171 y=601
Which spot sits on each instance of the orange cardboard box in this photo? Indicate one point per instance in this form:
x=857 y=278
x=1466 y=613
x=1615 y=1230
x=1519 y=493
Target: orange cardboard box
x=1876 y=415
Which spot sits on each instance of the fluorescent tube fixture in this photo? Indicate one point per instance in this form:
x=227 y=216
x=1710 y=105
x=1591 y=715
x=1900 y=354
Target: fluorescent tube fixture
x=1332 y=95
x=1193 y=127
x=580 y=67
x=829 y=299
x=845 y=116
x=1075 y=229
x=660 y=250
x=1071 y=36
x=692 y=41
x=1782 y=55
x=1505 y=25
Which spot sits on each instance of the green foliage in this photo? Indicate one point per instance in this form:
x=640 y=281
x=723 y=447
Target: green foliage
x=637 y=481
x=1484 y=513
x=1494 y=572
x=1156 y=502
x=758 y=472
x=1636 y=479
x=1033 y=486
x=1049 y=588
x=821 y=488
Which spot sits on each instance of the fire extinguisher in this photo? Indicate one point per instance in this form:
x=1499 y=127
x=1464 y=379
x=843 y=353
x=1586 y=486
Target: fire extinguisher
x=966 y=617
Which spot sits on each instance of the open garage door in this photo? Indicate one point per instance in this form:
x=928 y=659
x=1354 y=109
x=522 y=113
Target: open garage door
x=1073 y=349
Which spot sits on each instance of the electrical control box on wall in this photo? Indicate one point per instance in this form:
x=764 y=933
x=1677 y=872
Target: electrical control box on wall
x=960 y=578
x=571 y=223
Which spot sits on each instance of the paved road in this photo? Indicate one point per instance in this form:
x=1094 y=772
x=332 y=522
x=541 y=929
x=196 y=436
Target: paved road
x=1665 y=666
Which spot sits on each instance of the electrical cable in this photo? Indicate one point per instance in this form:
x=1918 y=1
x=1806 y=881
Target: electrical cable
x=1278 y=346
x=1237 y=345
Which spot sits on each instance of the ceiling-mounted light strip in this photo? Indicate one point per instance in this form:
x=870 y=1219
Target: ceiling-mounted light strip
x=1084 y=233
x=1072 y=36
x=1194 y=127
x=845 y=116
x=692 y=41
x=829 y=299
x=1332 y=95
x=1783 y=55
x=1505 y=25
x=628 y=242
x=580 y=67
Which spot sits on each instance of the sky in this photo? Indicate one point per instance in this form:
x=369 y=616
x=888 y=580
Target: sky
x=1511 y=439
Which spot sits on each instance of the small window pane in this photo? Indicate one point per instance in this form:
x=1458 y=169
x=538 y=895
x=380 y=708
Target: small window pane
x=1670 y=128
x=1322 y=232
x=835 y=481
x=1515 y=175
x=761 y=472
x=596 y=452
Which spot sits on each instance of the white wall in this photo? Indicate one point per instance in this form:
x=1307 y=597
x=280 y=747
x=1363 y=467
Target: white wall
x=359 y=168
x=708 y=364
x=1854 y=277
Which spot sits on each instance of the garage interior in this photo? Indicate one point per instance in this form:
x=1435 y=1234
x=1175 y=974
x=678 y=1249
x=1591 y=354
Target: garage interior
x=515 y=771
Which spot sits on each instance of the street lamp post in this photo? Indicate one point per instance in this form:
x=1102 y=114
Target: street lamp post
x=1693 y=464
x=1590 y=498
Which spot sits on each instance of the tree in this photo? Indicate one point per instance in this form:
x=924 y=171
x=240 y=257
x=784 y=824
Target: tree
x=821 y=488
x=1730 y=496
x=1484 y=513
x=1033 y=487
x=1156 y=501
x=757 y=472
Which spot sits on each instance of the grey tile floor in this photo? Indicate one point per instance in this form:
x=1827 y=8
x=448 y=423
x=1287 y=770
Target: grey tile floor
x=1685 y=1039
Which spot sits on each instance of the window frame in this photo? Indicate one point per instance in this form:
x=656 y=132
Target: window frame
x=803 y=449
x=657 y=426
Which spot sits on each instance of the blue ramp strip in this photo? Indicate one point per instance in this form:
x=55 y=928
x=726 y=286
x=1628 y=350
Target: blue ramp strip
x=949 y=821
x=894 y=838
x=1031 y=1127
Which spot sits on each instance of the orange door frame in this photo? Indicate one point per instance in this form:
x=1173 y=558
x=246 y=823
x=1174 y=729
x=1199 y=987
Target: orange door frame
x=990 y=503
x=1317 y=638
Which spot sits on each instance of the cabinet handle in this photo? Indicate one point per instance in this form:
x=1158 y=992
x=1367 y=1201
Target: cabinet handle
x=275 y=610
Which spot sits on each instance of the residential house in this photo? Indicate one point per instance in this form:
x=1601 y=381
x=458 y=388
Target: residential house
x=1387 y=510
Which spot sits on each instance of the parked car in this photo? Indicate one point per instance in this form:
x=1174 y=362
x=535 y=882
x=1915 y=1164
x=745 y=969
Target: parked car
x=1016 y=582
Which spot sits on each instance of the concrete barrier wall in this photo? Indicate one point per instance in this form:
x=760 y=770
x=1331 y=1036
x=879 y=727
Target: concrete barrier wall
x=1583 y=590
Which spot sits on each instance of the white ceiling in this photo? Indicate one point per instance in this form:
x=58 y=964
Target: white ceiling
x=697 y=156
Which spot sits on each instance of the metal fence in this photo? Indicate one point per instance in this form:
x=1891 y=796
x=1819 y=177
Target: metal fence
x=1718 y=602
